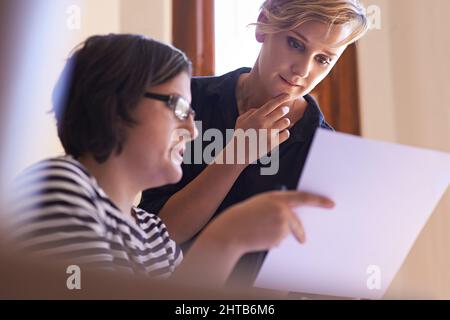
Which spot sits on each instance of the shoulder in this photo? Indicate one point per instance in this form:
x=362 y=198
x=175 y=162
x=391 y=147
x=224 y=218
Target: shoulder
x=60 y=168
x=54 y=210
x=207 y=88
x=326 y=125
x=62 y=173
x=214 y=83
x=316 y=113
x=56 y=184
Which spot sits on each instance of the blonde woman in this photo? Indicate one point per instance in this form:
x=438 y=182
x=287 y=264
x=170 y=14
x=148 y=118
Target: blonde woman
x=301 y=42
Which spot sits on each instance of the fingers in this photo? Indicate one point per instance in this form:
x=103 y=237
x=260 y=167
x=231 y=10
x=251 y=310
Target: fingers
x=295 y=199
x=248 y=113
x=275 y=103
x=283 y=136
x=297 y=229
x=298 y=198
x=278 y=113
x=277 y=137
x=281 y=124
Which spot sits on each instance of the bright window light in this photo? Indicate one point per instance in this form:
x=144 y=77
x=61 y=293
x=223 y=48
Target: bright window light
x=235 y=45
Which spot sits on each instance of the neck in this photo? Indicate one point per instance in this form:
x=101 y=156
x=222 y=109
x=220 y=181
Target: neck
x=112 y=177
x=249 y=91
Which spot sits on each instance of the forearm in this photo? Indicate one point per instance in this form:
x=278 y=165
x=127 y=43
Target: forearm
x=210 y=261
x=190 y=209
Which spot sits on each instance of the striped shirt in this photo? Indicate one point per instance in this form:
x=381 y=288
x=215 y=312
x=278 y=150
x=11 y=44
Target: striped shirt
x=60 y=212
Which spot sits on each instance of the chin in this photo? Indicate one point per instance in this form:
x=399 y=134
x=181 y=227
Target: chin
x=280 y=89
x=174 y=174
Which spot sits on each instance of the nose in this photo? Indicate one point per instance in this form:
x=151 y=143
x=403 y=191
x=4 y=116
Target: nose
x=302 y=67
x=189 y=125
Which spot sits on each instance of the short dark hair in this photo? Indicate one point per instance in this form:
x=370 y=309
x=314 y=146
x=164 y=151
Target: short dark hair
x=102 y=83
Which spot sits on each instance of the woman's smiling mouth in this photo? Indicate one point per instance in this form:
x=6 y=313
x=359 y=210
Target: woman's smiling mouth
x=290 y=83
x=177 y=152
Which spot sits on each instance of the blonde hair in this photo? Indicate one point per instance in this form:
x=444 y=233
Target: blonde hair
x=286 y=15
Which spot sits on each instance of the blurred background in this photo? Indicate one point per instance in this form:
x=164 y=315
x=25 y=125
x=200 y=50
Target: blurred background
x=393 y=85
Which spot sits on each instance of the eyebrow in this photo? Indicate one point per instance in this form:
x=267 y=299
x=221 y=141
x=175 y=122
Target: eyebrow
x=307 y=41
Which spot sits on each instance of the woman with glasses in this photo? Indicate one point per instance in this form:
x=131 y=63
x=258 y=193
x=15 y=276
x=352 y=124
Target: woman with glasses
x=301 y=42
x=122 y=107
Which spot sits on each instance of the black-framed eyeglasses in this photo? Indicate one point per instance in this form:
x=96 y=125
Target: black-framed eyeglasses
x=179 y=105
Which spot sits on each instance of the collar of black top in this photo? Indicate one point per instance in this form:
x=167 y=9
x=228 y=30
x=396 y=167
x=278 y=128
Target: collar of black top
x=225 y=90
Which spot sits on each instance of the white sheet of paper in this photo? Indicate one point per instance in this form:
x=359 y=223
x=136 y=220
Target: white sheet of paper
x=384 y=195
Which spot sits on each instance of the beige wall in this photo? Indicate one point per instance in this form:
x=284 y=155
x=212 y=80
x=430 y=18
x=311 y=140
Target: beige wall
x=47 y=39
x=150 y=17
x=38 y=139
x=405 y=94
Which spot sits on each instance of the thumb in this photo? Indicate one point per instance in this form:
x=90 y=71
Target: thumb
x=297 y=228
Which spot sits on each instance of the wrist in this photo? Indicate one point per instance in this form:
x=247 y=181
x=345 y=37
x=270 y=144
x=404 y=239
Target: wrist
x=221 y=239
x=228 y=158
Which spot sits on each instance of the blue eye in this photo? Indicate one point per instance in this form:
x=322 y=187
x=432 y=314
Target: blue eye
x=295 y=44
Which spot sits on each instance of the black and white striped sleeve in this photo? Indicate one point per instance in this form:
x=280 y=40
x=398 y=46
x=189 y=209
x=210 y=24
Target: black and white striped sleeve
x=54 y=216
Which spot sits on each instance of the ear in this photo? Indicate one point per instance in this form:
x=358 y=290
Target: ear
x=259 y=35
